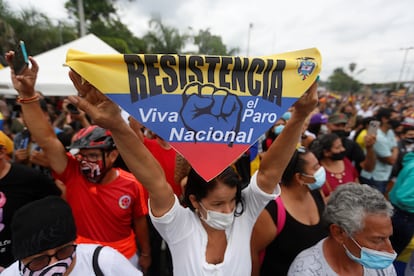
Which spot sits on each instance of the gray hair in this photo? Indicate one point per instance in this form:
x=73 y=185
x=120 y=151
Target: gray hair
x=350 y=203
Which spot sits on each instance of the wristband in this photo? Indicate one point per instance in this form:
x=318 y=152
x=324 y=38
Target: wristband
x=32 y=99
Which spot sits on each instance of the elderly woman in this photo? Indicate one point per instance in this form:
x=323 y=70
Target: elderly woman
x=360 y=226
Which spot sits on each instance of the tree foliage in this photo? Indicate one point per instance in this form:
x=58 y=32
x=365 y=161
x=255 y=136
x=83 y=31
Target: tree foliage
x=39 y=32
x=6 y=31
x=116 y=34
x=162 y=39
x=94 y=10
x=35 y=28
x=42 y=33
x=101 y=19
x=209 y=44
x=341 y=82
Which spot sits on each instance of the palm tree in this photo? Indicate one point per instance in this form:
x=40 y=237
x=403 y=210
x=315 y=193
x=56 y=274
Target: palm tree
x=209 y=44
x=162 y=39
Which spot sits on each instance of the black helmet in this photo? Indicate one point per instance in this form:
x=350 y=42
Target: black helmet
x=93 y=137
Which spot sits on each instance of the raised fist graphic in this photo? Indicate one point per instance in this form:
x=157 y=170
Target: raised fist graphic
x=206 y=105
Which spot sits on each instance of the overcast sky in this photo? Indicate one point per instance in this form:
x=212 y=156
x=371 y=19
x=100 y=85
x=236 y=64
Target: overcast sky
x=371 y=33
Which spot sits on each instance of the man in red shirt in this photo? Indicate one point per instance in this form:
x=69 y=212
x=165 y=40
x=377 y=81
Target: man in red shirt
x=108 y=203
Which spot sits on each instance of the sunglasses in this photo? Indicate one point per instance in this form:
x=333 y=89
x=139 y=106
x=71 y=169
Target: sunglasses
x=42 y=261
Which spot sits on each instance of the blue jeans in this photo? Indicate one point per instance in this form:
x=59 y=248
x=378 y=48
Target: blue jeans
x=403 y=229
x=377 y=184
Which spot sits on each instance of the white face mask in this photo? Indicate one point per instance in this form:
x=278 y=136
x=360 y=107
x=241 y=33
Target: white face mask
x=56 y=269
x=218 y=220
x=324 y=129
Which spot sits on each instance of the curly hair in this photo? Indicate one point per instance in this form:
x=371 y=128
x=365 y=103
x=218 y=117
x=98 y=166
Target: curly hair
x=322 y=143
x=350 y=203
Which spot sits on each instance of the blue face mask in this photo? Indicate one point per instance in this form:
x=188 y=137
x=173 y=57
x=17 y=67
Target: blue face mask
x=320 y=177
x=278 y=129
x=372 y=258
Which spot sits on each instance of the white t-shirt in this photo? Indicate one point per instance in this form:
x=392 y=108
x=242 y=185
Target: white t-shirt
x=187 y=239
x=312 y=262
x=365 y=114
x=110 y=261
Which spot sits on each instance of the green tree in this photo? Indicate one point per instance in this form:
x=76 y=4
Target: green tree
x=116 y=34
x=94 y=10
x=7 y=36
x=39 y=33
x=35 y=28
x=162 y=39
x=341 y=82
x=209 y=44
x=101 y=19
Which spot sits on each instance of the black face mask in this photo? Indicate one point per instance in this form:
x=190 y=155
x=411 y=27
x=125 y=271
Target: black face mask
x=394 y=123
x=409 y=140
x=341 y=133
x=338 y=156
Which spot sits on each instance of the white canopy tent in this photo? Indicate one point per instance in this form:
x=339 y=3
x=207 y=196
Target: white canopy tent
x=53 y=79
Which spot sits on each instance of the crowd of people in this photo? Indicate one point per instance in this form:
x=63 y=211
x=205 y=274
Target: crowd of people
x=340 y=135
x=105 y=195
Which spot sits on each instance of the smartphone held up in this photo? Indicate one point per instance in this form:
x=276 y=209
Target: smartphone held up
x=20 y=60
x=373 y=127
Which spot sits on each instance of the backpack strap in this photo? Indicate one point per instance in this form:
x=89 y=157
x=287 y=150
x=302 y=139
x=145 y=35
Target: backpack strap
x=96 y=268
x=281 y=215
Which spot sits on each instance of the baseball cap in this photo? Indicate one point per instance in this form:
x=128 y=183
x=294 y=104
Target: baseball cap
x=6 y=142
x=318 y=118
x=338 y=118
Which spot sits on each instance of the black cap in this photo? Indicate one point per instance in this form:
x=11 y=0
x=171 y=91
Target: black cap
x=42 y=225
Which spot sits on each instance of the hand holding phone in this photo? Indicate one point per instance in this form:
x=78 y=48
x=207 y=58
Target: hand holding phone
x=373 y=127
x=20 y=59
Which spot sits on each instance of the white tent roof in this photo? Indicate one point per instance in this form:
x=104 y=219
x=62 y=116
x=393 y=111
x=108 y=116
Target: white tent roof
x=53 y=79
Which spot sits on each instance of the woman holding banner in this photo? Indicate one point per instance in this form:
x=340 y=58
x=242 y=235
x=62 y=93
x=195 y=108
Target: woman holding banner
x=212 y=235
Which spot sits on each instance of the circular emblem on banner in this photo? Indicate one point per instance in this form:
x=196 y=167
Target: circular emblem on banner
x=124 y=201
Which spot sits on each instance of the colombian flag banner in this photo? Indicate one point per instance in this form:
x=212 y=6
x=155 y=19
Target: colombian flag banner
x=210 y=108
